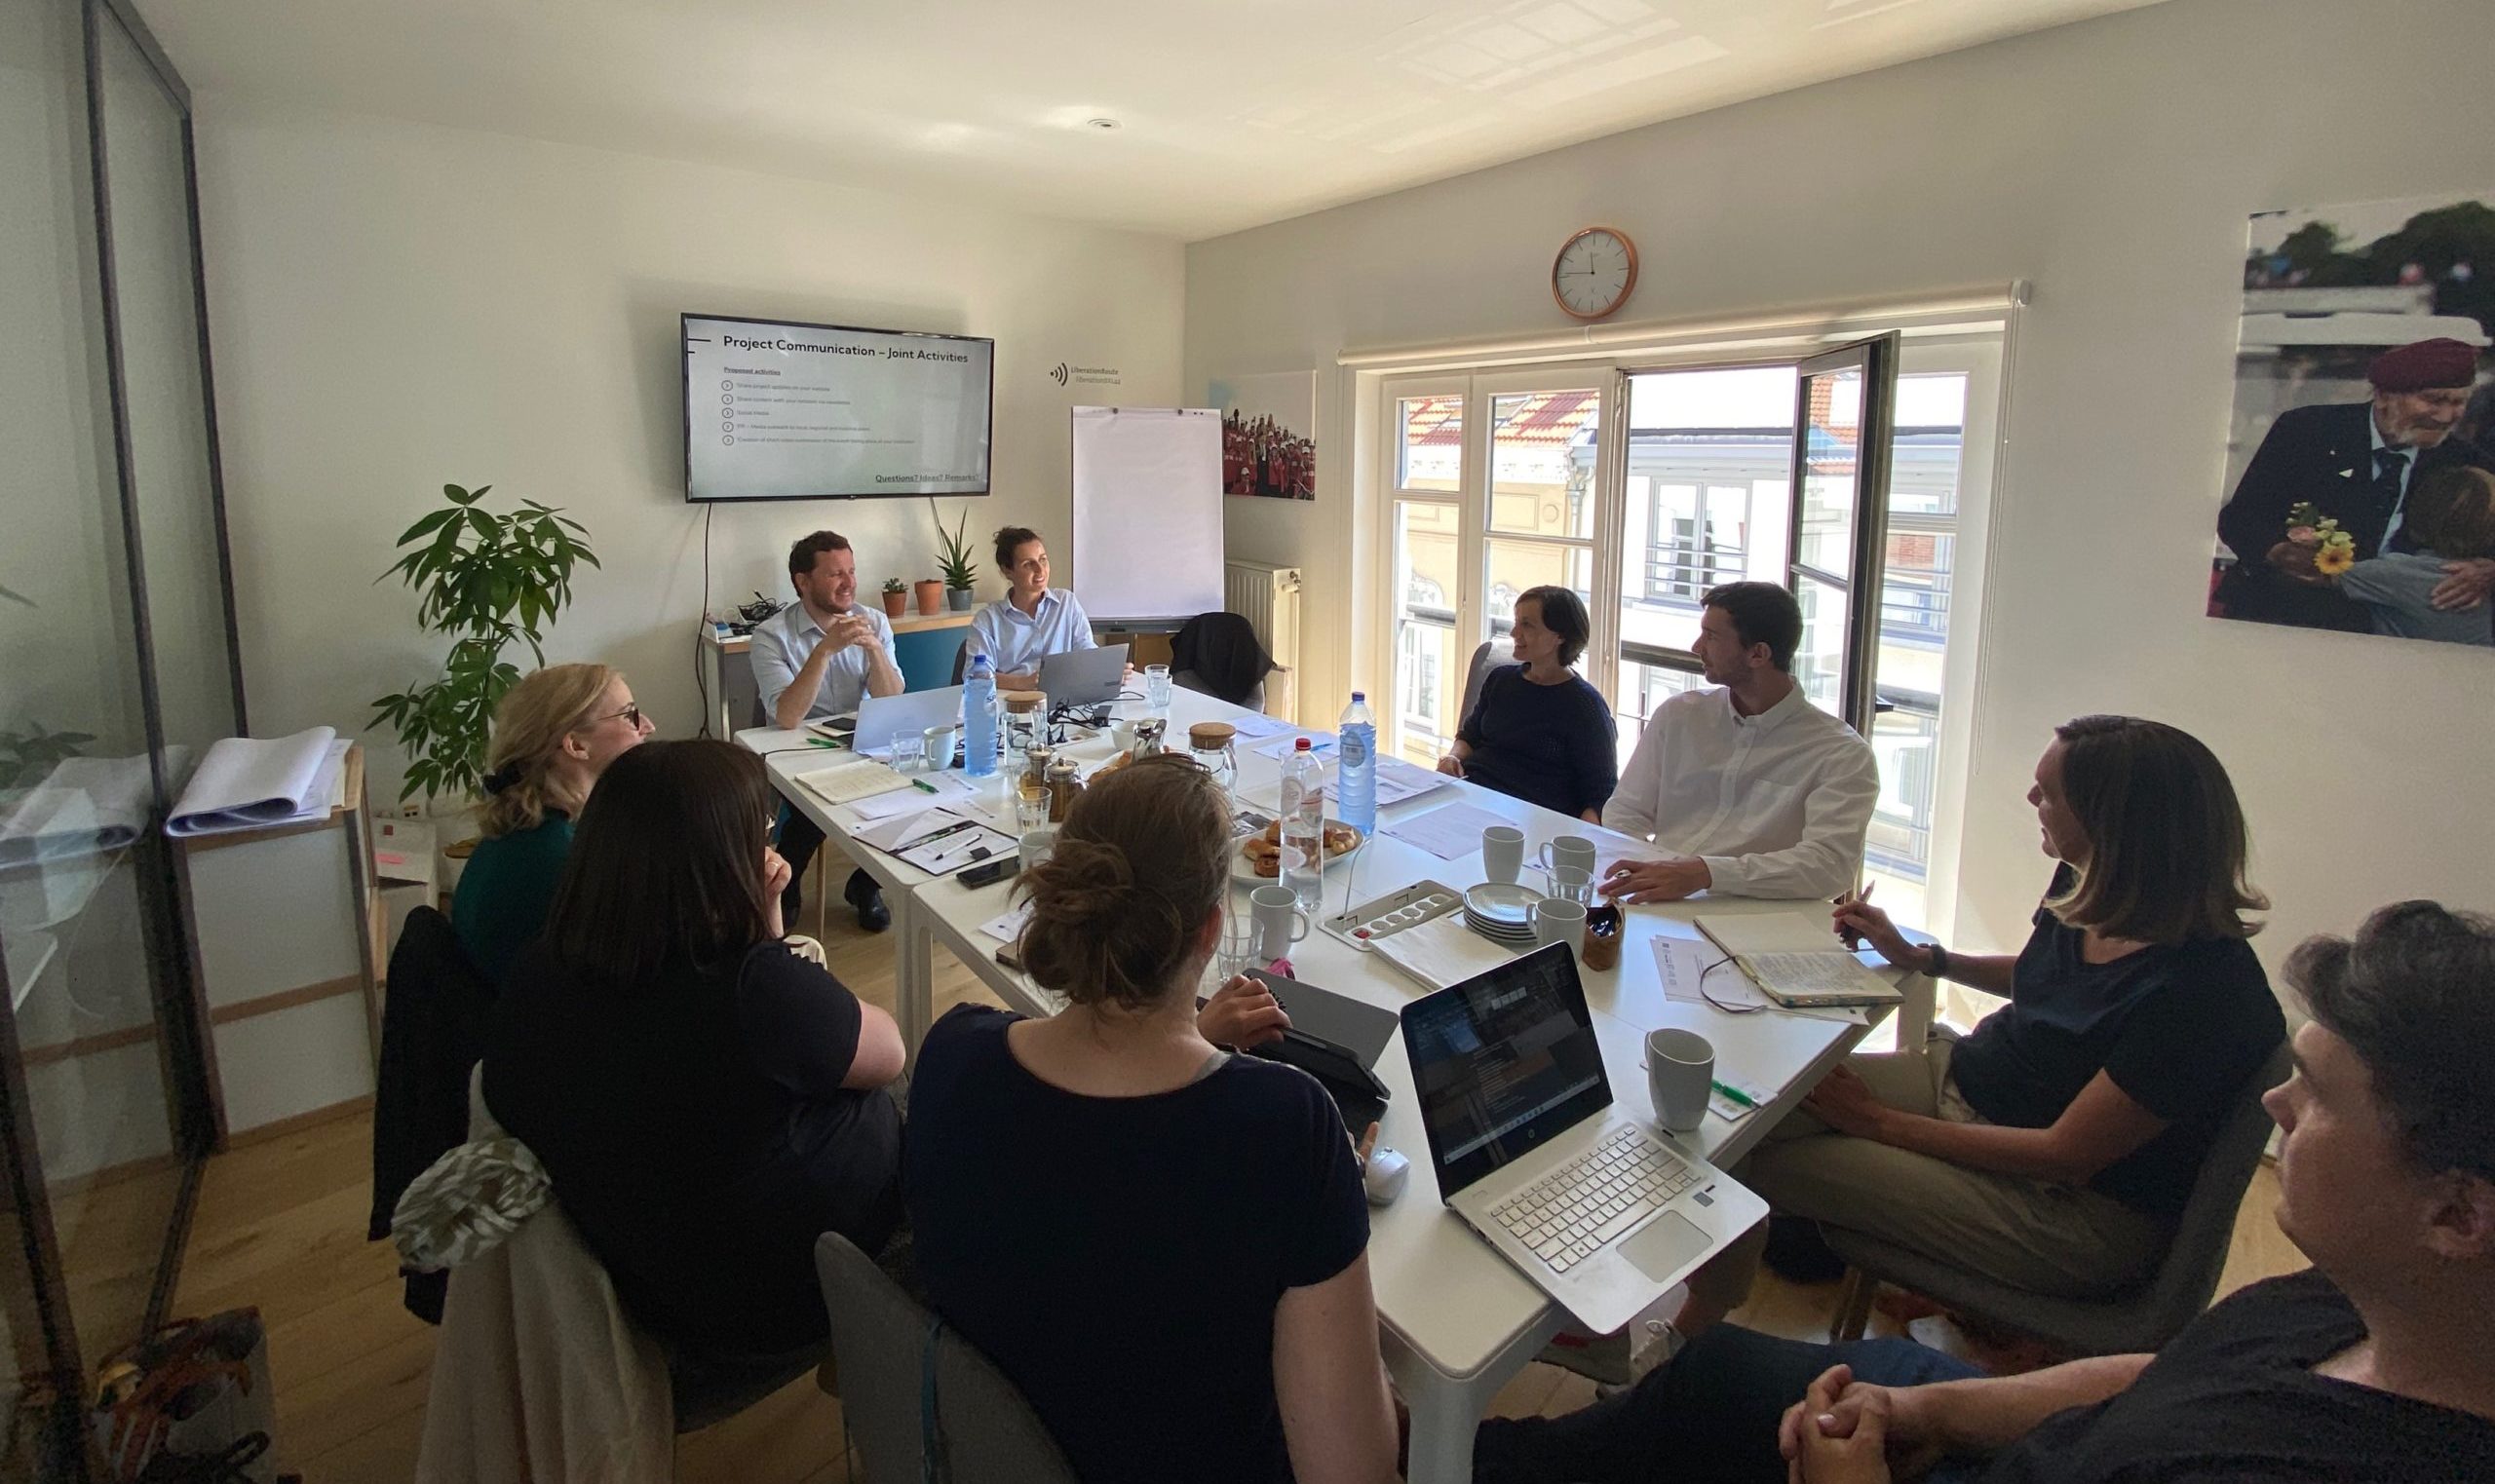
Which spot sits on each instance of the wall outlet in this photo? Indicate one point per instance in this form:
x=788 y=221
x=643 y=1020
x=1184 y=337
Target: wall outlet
x=411 y=809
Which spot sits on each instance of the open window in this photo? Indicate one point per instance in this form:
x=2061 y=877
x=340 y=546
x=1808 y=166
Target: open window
x=1843 y=402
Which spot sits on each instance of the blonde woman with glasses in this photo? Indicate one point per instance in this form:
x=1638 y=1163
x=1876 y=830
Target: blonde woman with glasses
x=554 y=733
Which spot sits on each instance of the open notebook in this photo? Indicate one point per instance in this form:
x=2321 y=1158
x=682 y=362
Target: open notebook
x=1796 y=960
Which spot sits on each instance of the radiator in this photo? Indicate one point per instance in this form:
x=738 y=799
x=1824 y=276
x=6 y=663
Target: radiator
x=1268 y=598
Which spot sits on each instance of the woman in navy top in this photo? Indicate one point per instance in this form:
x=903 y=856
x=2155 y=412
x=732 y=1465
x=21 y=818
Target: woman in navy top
x=1540 y=731
x=2053 y=1148
x=1161 y=1244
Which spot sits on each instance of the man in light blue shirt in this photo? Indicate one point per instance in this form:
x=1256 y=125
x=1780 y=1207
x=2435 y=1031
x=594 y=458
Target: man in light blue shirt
x=822 y=654
x=1033 y=620
x=818 y=658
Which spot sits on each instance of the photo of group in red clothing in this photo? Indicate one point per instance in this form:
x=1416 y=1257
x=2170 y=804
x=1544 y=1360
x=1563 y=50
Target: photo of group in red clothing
x=1268 y=446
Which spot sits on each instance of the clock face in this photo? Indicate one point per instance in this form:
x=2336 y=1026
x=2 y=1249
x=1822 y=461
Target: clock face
x=1593 y=272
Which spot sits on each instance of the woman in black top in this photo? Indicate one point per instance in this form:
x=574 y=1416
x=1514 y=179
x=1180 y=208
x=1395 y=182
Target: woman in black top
x=2371 y=1367
x=2053 y=1148
x=1539 y=732
x=1161 y=1244
x=704 y=1102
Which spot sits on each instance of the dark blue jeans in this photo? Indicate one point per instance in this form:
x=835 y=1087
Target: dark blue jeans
x=1709 y=1417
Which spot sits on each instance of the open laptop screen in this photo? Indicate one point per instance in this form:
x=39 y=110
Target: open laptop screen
x=1502 y=1062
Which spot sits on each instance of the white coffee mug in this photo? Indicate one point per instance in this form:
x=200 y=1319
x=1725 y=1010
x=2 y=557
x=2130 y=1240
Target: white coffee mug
x=1038 y=842
x=1502 y=852
x=1680 y=1073
x=1280 y=923
x=1122 y=733
x=1558 y=920
x=1572 y=850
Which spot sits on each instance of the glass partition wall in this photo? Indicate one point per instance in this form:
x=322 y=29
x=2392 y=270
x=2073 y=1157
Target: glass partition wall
x=117 y=667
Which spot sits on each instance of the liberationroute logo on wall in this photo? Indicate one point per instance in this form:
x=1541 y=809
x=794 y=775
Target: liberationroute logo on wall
x=1063 y=373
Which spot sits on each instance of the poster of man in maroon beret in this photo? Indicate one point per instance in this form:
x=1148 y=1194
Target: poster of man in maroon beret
x=2357 y=511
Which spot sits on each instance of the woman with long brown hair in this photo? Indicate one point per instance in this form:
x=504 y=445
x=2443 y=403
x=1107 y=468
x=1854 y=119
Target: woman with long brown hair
x=1163 y=1245
x=553 y=733
x=704 y=1101
x=2051 y=1149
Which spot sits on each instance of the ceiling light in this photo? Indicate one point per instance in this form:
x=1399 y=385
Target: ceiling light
x=1103 y=123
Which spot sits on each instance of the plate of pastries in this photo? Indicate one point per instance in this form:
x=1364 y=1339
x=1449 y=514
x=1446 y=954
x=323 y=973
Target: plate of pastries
x=1260 y=855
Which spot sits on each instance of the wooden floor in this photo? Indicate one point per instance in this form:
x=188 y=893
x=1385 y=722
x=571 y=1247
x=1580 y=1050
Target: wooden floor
x=281 y=1225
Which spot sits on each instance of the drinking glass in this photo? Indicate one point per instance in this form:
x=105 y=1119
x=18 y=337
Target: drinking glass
x=910 y=751
x=1156 y=686
x=1237 y=950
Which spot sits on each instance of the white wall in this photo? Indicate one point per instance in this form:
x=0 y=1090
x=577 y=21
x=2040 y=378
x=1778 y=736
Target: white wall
x=2113 y=164
x=397 y=306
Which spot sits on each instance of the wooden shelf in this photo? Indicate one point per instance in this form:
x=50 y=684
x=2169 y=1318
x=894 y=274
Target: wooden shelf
x=908 y=623
x=916 y=622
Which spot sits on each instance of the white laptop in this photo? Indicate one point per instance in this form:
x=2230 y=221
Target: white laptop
x=1084 y=676
x=1601 y=1211
x=879 y=717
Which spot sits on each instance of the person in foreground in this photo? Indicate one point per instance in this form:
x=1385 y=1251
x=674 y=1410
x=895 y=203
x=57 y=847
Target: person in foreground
x=1033 y=621
x=2053 y=1147
x=553 y=733
x=2370 y=1365
x=1540 y=731
x=817 y=659
x=704 y=1101
x=1757 y=791
x=1163 y=1245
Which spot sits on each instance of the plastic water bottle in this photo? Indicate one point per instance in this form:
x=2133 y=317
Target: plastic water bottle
x=1304 y=826
x=1356 y=774
x=978 y=718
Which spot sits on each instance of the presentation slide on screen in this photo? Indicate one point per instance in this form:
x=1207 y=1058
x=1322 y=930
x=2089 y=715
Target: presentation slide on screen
x=796 y=412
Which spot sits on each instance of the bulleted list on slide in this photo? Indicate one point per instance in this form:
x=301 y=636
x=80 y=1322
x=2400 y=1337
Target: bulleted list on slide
x=779 y=411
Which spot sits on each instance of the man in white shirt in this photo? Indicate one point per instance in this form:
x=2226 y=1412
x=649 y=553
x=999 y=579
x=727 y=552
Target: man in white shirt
x=1033 y=621
x=1757 y=791
x=814 y=658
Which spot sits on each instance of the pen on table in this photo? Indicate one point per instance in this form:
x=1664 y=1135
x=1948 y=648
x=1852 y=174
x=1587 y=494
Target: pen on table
x=1732 y=1094
x=922 y=785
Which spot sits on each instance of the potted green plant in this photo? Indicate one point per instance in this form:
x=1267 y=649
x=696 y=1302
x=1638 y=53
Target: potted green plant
x=954 y=559
x=896 y=598
x=486 y=579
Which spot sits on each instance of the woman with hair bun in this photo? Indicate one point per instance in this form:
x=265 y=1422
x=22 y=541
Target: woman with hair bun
x=553 y=733
x=1163 y=1245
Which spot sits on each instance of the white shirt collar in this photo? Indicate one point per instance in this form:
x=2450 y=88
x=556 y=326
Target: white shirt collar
x=1774 y=716
x=2377 y=442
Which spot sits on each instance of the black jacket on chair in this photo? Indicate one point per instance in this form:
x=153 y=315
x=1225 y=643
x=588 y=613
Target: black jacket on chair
x=433 y=1031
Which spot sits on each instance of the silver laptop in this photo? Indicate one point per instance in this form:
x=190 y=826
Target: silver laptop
x=1601 y=1212
x=1084 y=676
x=910 y=711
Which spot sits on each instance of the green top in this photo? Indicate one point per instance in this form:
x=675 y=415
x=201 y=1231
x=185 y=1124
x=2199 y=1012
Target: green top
x=506 y=891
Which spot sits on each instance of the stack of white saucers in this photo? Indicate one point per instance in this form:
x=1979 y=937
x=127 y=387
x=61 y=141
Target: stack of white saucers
x=1500 y=910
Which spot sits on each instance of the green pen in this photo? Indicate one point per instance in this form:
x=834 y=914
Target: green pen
x=1734 y=1094
x=922 y=785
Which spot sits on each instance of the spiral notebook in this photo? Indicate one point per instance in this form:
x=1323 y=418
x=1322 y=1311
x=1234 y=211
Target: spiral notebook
x=1795 y=959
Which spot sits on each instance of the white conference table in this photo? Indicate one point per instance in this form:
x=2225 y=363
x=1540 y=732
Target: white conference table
x=1458 y=1320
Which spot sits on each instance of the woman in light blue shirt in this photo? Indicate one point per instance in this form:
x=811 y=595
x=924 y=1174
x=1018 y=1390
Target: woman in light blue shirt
x=1033 y=621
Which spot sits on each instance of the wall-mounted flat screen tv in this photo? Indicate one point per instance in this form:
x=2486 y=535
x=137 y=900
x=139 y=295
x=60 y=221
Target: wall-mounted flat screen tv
x=776 y=410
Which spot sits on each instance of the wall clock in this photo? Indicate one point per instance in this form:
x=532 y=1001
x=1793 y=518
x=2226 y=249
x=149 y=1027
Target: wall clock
x=1593 y=272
